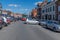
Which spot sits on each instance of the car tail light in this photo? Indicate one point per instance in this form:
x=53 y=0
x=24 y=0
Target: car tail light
x=8 y=20
x=0 y=21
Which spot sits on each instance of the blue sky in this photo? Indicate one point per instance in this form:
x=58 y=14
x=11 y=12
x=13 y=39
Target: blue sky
x=19 y=6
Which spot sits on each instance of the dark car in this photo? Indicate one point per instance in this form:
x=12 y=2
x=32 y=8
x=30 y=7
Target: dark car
x=1 y=22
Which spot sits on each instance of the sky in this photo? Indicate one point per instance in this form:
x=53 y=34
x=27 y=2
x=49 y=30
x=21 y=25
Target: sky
x=19 y=6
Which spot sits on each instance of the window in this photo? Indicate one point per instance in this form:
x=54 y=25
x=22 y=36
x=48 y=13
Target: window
x=46 y=16
x=59 y=8
x=42 y=11
x=56 y=17
x=46 y=10
x=49 y=17
x=53 y=17
x=53 y=8
x=50 y=9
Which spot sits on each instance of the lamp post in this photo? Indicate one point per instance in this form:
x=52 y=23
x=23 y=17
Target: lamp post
x=0 y=9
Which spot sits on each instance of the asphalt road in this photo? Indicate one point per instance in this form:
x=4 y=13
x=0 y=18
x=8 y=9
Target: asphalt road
x=21 y=31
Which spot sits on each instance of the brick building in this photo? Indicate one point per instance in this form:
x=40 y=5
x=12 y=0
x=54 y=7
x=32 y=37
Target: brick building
x=34 y=13
x=39 y=11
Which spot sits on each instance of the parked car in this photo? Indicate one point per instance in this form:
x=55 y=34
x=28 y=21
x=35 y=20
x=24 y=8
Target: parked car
x=6 y=21
x=1 y=22
x=31 y=21
x=23 y=19
x=49 y=24
x=9 y=20
x=42 y=23
x=55 y=26
x=12 y=18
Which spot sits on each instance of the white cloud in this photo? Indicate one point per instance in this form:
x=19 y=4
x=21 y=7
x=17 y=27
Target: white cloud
x=37 y=2
x=24 y=9
x=8 y=9
x=14 y=5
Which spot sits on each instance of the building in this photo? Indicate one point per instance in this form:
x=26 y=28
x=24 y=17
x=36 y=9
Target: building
x=39 y=8
x=34 y=13
x=17 y=15
x=4 y=12
x=51 y=10
x=39 y=11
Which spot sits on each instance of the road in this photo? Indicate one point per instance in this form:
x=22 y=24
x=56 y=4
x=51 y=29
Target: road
x=21 y=31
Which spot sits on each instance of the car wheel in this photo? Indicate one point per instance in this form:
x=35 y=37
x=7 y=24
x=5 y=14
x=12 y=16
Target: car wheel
x=39 y=24
x=46 y=26
x=0 y=27
x=54 y=29
x=5 y=24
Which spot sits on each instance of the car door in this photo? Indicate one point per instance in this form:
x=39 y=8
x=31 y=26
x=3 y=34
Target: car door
x=49 y=24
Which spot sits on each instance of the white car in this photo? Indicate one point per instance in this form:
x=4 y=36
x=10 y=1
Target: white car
x=5 y=21
x=31 y=21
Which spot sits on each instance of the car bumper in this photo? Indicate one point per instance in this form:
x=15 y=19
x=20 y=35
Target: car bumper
x=43 y=24
x=58 y=30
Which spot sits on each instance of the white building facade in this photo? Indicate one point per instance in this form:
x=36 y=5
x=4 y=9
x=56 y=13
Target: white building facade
x=50 y=11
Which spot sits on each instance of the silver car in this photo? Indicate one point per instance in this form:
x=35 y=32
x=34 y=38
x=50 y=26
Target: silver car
x=54 y=25
x=42 y=23
x=31 y=21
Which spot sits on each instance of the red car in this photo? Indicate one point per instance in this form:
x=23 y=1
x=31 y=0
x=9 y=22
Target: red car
x=23 y=19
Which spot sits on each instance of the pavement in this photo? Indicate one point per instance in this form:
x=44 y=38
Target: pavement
x=20 y=31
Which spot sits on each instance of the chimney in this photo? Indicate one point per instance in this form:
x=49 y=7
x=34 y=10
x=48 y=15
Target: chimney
x=45 y=1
